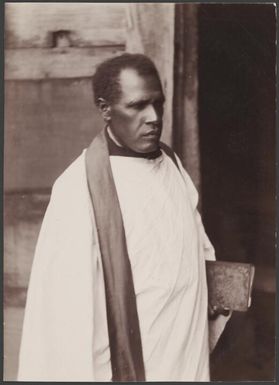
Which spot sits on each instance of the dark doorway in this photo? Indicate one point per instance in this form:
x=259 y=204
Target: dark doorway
x=237 y=129
x=237 y=145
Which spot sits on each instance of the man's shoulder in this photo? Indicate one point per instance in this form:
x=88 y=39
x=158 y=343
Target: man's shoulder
x=73 y=177
x=185 y=175
x=169 y=151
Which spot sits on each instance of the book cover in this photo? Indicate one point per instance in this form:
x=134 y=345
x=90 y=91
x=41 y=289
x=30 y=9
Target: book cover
x=230 y=284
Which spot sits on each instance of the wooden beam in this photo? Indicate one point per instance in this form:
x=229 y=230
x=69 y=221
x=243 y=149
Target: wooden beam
x=37 y=64
x=185 y=100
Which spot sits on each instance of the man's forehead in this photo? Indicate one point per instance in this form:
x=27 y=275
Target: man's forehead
x=131 y=81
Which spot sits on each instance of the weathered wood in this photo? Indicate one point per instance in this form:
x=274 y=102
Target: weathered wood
x=151 y=31
x=30 y=25
x=47 y=125
x=185 y=101
x=33 y=52
x=36 y=64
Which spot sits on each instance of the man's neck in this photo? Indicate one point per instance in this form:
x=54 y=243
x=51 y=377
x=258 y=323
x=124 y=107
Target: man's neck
x=112 y=137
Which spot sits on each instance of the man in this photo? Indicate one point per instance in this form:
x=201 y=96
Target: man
x=118 y=285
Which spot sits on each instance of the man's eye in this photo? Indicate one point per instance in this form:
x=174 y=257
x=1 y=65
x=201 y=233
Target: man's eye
x=159 y=105
x=140 y=106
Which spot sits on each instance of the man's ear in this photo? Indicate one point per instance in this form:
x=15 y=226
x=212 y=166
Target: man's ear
x=104 y=108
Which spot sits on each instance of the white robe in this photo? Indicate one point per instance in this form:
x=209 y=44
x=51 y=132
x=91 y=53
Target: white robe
x=167 y=260
x=62 y=339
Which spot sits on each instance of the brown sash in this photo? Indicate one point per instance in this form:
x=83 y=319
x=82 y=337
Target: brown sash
x=123 y=324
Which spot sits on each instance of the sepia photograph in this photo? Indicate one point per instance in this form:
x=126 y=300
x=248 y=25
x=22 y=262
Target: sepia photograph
x=139 y=192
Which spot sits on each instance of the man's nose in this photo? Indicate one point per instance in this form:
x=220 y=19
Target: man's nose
x=152 y=115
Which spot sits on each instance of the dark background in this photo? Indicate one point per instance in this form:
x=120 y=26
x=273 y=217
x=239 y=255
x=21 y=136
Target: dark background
x=237 y=86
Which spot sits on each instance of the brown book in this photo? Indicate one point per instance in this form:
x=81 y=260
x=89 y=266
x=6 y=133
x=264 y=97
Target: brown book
x=230 y=284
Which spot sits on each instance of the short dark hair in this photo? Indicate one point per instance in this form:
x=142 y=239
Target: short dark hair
x=106 y=78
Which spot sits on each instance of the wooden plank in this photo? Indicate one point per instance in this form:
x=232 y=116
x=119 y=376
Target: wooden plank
x=185 y=101
x=30 y=25
x=83 y=38
x=37 y=64
x=54 y=121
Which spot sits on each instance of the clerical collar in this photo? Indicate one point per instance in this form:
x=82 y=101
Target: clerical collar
x=116 y=150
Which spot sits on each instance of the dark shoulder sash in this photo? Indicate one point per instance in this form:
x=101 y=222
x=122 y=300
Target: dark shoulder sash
x=123 y=324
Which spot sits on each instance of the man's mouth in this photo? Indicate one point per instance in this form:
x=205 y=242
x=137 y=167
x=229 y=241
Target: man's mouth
x=153 y=133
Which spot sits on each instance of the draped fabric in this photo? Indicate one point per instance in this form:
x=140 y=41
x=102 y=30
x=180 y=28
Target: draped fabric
x=65 y=335
x=123 y=325
x=58 y=329
x=167 y=259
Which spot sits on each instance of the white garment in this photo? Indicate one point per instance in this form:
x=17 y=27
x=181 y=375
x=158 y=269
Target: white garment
x=168 y=267
x=65 y=335
x=57 y=332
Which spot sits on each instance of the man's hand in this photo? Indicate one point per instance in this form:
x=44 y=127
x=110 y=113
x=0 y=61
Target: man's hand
x=214 y=312
x=218 y=317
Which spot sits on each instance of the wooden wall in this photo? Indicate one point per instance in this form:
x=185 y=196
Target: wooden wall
x=51 y=52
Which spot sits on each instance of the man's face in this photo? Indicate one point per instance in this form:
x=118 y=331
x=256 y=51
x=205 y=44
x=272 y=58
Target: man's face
x=136 y=118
